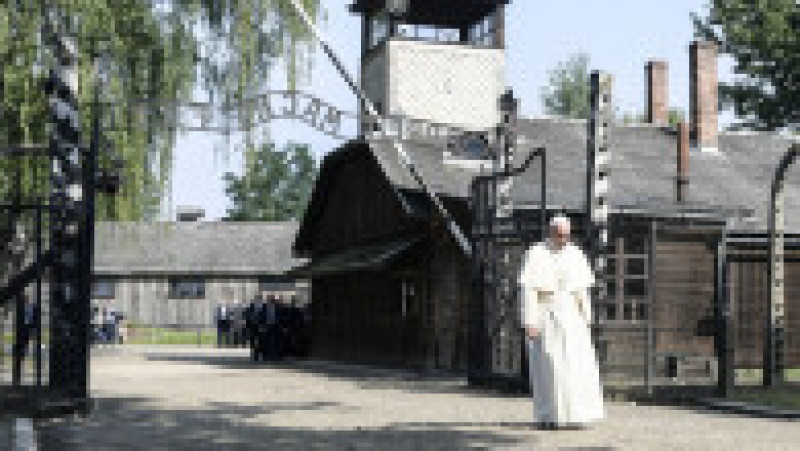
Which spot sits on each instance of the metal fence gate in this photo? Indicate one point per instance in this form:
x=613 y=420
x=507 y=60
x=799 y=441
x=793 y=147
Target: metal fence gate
x=47 y=239
x=662 y=330
x=46 y=277
x=749 y=284
x=25 y=324
x=500 y=234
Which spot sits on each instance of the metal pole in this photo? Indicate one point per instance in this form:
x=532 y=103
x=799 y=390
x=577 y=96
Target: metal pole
x=543 y=203
x=723 y=343
x=39 y=300
x=775 y=326
x=651 y=294
x=90 y=172
x=774 y=288
x=597 y=184
x=16 y=360
x=17 y=350
x=372 y=113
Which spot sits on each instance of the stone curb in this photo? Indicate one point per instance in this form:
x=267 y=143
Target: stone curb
x=750 y=409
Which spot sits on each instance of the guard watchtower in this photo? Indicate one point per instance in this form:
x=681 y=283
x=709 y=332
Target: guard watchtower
x=437 y=60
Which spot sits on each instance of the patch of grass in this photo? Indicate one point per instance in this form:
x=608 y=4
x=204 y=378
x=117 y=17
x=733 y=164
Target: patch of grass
x=753 y=375
x=8 y=337
x=783 y=397
x=150 y=335
x=163 y=336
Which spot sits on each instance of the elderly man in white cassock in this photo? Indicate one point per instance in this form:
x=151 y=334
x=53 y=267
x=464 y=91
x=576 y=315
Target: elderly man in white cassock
x=556 y=313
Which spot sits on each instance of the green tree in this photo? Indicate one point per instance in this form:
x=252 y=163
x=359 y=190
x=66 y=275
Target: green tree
x=674 y=116
x=568 y=90
x=276 y=184
x=764 y=40
x=628 y=117
x=159 y=50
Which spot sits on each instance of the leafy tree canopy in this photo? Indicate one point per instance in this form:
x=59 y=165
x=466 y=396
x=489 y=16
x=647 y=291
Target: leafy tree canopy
x=568 y=89
x=159 y=50
x=275 y=186
x=764 y=39
x=674 y=116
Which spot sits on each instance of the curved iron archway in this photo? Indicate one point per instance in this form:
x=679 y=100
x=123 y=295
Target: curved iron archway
x=773 y=364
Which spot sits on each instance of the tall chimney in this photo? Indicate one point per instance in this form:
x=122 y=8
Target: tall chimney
x=682 y=178
x=703 y=95
x=657 y=87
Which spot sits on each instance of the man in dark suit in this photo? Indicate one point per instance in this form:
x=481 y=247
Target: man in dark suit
x=223 y=325
x=305 y=330
x=236 y=329
x=27 y=327
x=293 y=320
x=250 y=328
x=272 y=328
x=263 y=334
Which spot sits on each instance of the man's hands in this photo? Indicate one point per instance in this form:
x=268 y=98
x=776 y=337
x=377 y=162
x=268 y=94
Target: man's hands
x=532 y=332
x=579 y=302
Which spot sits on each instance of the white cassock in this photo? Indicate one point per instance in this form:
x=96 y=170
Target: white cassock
x=565 y=378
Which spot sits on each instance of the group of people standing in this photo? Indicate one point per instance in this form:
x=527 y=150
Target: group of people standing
x=27 y=327
x=270 y=329
x=106 y=325
x=231 y=328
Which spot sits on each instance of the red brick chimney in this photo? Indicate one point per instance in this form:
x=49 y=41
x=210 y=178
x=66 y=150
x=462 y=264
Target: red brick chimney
x=682 y=176
x=657 y=87
x=703 y=95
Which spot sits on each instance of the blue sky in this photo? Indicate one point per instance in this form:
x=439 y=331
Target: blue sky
x=620 y=37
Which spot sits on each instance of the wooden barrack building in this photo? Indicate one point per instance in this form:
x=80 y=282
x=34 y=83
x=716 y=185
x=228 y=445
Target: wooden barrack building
x=391 y=286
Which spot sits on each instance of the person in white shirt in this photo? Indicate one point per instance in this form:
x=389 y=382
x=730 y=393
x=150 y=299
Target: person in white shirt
x=556 y=314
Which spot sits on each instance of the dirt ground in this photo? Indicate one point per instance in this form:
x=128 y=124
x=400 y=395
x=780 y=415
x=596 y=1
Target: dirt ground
x=188 y=398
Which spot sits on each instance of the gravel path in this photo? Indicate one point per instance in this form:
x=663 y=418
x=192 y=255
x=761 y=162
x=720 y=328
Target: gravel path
x=6 y=434
x=189 y=398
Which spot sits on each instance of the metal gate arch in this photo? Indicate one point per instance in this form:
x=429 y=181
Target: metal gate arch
x=75 y=178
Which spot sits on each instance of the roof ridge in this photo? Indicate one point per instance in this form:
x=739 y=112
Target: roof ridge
x=572 y=120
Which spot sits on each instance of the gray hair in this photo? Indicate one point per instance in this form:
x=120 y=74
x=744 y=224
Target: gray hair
x=560 y=220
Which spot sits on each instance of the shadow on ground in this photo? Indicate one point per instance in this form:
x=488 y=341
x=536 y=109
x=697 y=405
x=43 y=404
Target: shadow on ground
x=363 y=376
x=382 y=378
x=133 y=423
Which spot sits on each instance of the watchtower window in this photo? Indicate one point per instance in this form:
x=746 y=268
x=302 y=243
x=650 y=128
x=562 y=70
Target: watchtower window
x=423 y=32
x=472 y=22
x=448 y=35
x=378 y=29
x=482 y=32
x=475 y=148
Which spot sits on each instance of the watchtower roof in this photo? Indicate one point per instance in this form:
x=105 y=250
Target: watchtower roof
x=454 y=13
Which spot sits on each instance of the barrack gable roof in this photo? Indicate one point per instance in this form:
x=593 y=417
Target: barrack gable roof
x=201 y=248
x=643 y=170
